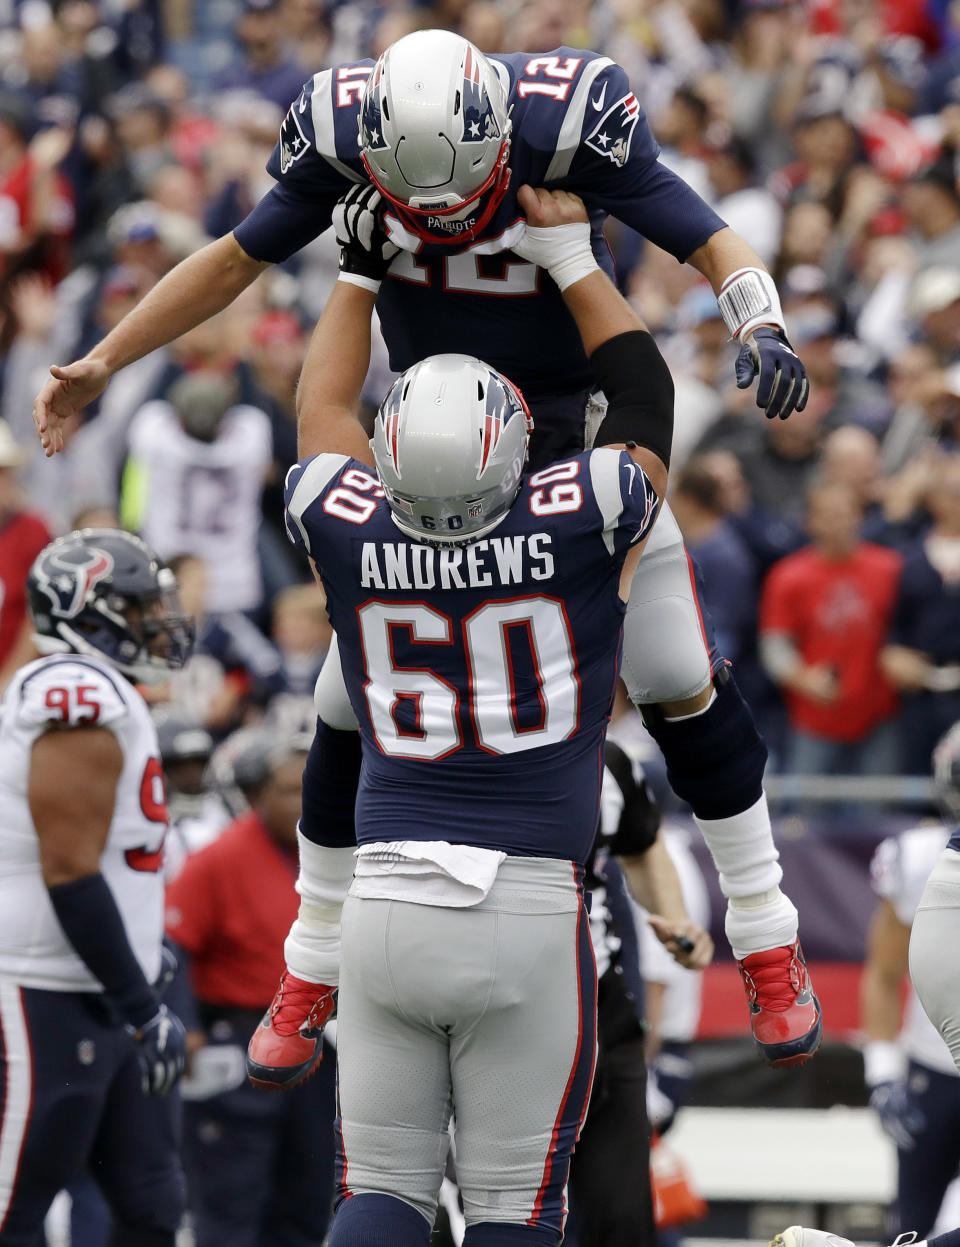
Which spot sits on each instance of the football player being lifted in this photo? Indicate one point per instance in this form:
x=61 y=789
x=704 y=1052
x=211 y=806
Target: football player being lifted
x=447 y=136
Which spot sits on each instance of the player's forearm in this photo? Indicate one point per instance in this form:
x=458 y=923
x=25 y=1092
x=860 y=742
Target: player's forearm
x=879 y=1004
x=600 y=310
x=328 y=396
x=722 y=254
x=654 y=882
x=199 y=287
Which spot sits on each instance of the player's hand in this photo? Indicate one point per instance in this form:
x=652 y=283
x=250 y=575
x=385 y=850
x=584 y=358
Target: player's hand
x=66 y=394
x=783 y=386
x=545 y=209
x=900 y=1118
x=557 y=235
x=689 y=944
x=365 y=246
x=161 y=1051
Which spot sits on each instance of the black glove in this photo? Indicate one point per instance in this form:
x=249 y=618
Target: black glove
x=900 y=1118
x=783 y=385
x=365 y=247
x=161 y=1051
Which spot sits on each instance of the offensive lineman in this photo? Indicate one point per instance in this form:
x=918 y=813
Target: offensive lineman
x=479 y=614
x=448 y=135
x=86 y=1047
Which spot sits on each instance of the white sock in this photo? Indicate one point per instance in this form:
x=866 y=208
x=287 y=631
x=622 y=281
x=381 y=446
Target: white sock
x=312 y=949
x=743 y=851
x=756 y=923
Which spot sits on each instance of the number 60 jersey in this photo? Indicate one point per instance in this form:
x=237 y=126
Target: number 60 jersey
x=482 y=674
x=62 y=693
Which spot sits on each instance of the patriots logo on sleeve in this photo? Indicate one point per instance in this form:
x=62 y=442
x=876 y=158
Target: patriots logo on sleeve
x=293 y=142
x=479 y=122
x=612 y=135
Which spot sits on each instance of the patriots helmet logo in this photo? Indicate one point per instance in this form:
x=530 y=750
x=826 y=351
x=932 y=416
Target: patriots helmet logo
x=612 y=135
x=371 y=113
x=479 y=122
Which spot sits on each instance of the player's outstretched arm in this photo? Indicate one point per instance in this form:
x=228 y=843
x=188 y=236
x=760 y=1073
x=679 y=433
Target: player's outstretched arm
x=625 y=358
x=328 y=397
x=200 y=286
x=750 y=307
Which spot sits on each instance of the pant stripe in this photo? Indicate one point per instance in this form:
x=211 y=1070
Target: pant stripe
x=696 y=602
x=569 y=1120
x=17 y=1092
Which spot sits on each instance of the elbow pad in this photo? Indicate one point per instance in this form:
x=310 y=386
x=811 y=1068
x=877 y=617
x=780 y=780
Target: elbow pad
x=639 y=389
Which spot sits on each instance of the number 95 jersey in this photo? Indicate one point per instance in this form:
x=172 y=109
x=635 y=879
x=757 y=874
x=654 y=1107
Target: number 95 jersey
x=61 y=693
x=482 y=674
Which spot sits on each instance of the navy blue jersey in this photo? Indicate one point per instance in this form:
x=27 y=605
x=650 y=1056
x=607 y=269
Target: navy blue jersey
x=481 y=674
x=577 y=126
x=954 y=841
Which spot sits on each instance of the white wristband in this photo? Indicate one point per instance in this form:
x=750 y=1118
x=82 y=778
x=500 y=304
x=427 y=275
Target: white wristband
x=563 y=250
x=357 y=279
x=883 y=1061
x=749 y=298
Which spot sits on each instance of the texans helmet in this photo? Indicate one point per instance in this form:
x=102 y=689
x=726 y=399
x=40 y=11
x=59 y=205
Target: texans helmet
x=450 y=443
x=103 y=592
x=435 y=135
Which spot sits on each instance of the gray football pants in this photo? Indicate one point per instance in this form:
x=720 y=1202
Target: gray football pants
x=488 y=1013
x=666 y=654
x=935 y=950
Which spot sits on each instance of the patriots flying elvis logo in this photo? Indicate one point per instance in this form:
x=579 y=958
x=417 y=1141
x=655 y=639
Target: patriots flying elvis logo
x=479 y=122
x=293 y=142
x=371 y=116
x=612 y=135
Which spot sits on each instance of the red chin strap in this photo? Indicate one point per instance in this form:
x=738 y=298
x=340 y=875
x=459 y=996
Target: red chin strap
x=416 y=220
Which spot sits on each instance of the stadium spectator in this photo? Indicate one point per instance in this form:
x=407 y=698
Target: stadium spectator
x=922 y=658
x=723 y=557
x=260 y=1168
x=932 y=204
x=23 y=534
x=193 y=483
x=824 y=617
x=264 y=65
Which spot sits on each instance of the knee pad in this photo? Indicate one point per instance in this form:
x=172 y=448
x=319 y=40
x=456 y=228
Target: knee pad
x=330 y=780
x=501 y=1234
x=715 y=760
x=330 y=699
x=369 y=1220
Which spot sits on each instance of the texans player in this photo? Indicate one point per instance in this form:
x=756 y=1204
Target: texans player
x=86 y=1046
x=479 y=611
x=447 y=135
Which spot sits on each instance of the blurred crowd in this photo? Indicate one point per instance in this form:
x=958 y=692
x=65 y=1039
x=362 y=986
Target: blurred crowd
x=827 y=132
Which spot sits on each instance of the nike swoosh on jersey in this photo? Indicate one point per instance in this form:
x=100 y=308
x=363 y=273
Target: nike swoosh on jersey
x=598 y=102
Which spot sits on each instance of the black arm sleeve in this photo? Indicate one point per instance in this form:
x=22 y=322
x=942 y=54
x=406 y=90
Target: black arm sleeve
x=86 y=910
x=640 y=818
x=639 y=389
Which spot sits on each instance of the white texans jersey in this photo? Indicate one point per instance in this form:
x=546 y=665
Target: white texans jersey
x=203 y=498
x=58 y=693
x=899 y=871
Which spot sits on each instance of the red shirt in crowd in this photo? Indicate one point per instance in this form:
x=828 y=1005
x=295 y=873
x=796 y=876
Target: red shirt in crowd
x=22 y=537
x=837 y=613
x=231 y=908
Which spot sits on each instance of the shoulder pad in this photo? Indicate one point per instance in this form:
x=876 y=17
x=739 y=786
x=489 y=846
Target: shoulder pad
x=70 y=692
x=305 y=484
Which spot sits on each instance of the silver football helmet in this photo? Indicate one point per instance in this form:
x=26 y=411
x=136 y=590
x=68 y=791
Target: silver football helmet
x=450 y=442
x=435 y=135
x=946 y=773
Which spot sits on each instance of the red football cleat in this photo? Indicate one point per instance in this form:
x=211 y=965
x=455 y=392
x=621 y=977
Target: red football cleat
x=784 y=1012
x=287 y=1046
